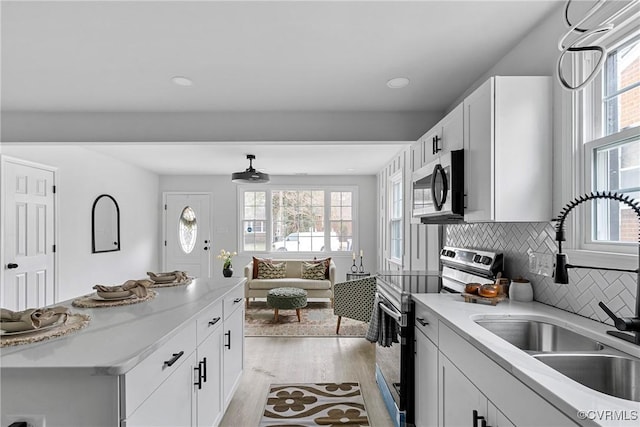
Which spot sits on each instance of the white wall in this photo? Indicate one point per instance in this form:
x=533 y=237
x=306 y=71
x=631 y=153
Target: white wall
x=82 y=176
x=225 y=215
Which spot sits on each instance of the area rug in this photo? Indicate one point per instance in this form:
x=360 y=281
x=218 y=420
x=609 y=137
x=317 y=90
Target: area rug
x=317 y=320
x=323 y=404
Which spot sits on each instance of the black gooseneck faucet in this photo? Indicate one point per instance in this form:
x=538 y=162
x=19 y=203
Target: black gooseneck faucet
x=561 y=274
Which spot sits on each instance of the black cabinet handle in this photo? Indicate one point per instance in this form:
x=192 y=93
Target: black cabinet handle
x=477 y=417
x=435 y=144
x=228 y=344
x=237 y=300
x=206 y=248
x=199 y=382
x=174 y=359
x=422 y=321
x=214 y=321
x=12 y=265
x=204 y=369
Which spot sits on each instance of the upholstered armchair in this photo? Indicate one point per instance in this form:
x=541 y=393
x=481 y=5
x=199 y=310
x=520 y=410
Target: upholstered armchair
x=354 y=299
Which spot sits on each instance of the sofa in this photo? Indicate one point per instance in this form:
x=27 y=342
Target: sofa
x=258 y=288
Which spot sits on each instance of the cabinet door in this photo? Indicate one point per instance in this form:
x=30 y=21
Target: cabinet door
x=478 y=156
x=459 y=397
x=431 y=144
x=233 y=352
x=452 y=131
x=171 y=404
x=426 y=381
x=209 y=395
x=416 y=156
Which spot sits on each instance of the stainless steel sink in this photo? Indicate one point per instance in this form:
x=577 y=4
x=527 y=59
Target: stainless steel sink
x=535 y=336
x=614 y=375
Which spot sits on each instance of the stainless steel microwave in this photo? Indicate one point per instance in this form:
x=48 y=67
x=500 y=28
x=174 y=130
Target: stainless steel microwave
x=438 y=190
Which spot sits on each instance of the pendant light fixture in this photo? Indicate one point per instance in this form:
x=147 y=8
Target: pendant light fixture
x=250 y=175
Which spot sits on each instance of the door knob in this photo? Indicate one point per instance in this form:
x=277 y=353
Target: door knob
x=12 y=265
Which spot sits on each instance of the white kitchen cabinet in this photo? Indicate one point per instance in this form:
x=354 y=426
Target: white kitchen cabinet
x=459 y=398
x=508 y=148
x=508 y=401
x=233 y=344
x=426 y=381
x=172 y=403
x=445 y=136
x=208 y=387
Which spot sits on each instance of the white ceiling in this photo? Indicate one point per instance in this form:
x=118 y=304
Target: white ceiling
x=252 y=56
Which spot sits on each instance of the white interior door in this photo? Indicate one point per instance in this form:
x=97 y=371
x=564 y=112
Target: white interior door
x=187 y=231
x=28 y=236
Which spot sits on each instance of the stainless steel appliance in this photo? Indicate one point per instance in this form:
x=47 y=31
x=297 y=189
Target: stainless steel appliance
x=438 y=190
x=395 y=364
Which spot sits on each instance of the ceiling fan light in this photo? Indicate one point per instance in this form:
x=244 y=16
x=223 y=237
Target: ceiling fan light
x=250 y=175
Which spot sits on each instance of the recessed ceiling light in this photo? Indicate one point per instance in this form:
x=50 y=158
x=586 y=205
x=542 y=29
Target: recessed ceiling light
x=398 y=83
x=182 y=81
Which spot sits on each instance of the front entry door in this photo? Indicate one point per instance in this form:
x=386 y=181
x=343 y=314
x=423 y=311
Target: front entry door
x=28 y=237
x=187 y=231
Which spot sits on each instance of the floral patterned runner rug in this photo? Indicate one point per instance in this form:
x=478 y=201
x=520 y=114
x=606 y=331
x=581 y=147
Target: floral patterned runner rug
x=323 y=404
x=317 y=320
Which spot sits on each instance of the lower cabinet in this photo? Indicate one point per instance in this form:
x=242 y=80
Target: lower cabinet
x=207 y=383
x=426 y=381
x=233 y=350
x=171 y=404
x=458 y=385
x=462 y=404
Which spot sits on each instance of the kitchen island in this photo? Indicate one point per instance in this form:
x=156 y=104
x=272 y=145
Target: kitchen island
x=463 y=368
x=142 y=364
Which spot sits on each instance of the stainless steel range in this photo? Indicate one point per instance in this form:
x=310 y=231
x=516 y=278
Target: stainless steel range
x=395 y=363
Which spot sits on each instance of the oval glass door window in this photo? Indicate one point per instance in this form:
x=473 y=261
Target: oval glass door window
x=187 y=229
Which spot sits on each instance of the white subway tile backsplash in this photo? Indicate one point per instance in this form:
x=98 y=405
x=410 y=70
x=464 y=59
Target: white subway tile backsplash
x=586 y=287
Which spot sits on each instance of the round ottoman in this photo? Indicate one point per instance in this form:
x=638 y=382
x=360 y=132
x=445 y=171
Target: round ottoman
x=286 y=299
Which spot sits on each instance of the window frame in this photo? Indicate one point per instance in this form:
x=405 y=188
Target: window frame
x=396 y=178
x=583 y=112
x=241 y=189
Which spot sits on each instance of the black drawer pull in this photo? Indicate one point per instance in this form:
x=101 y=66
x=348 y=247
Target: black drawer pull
x=12 y=265
x=214 y=321
x=174 y=359
x=477 y=417
x=204 y=369
x=237 y=300
x=422 y=321
x=199 y=382
x=228 y=334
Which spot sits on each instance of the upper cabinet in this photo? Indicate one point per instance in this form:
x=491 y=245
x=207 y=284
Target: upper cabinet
x=447 y=135
x=508 y=150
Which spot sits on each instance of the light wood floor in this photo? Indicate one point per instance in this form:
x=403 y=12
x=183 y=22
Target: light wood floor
x=278 y=360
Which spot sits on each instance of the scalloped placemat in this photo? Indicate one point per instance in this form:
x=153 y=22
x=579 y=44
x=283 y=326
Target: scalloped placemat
x=73 y=323
x=169 y=284
x=87 y=301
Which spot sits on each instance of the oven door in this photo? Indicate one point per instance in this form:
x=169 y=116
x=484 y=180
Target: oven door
x=394 y=367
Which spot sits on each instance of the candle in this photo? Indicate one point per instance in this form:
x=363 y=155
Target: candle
x=361 y=253
x=353 y=256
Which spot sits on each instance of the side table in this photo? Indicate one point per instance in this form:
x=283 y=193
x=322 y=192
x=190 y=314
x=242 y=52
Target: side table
x=355 y=276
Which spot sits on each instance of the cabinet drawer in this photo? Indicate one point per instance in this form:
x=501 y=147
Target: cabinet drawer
x=427 y=322
x=208 y=321
x=142 y=380
x=233 y=300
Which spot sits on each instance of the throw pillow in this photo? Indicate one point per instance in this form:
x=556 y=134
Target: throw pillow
x=313 y=270
x=269 y=270
x=326 y=262
x=257 y=261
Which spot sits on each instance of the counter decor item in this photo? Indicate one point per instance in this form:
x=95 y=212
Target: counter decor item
x=130 y=292
x=521 y=290
x=227 y=268
x=173 y=278
x=37 y=324
x=488 y=293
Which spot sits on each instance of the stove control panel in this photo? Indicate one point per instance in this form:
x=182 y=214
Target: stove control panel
x=474 y=258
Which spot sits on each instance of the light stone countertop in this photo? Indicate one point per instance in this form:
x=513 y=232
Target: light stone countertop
x=565 y=394
x=118 y=338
